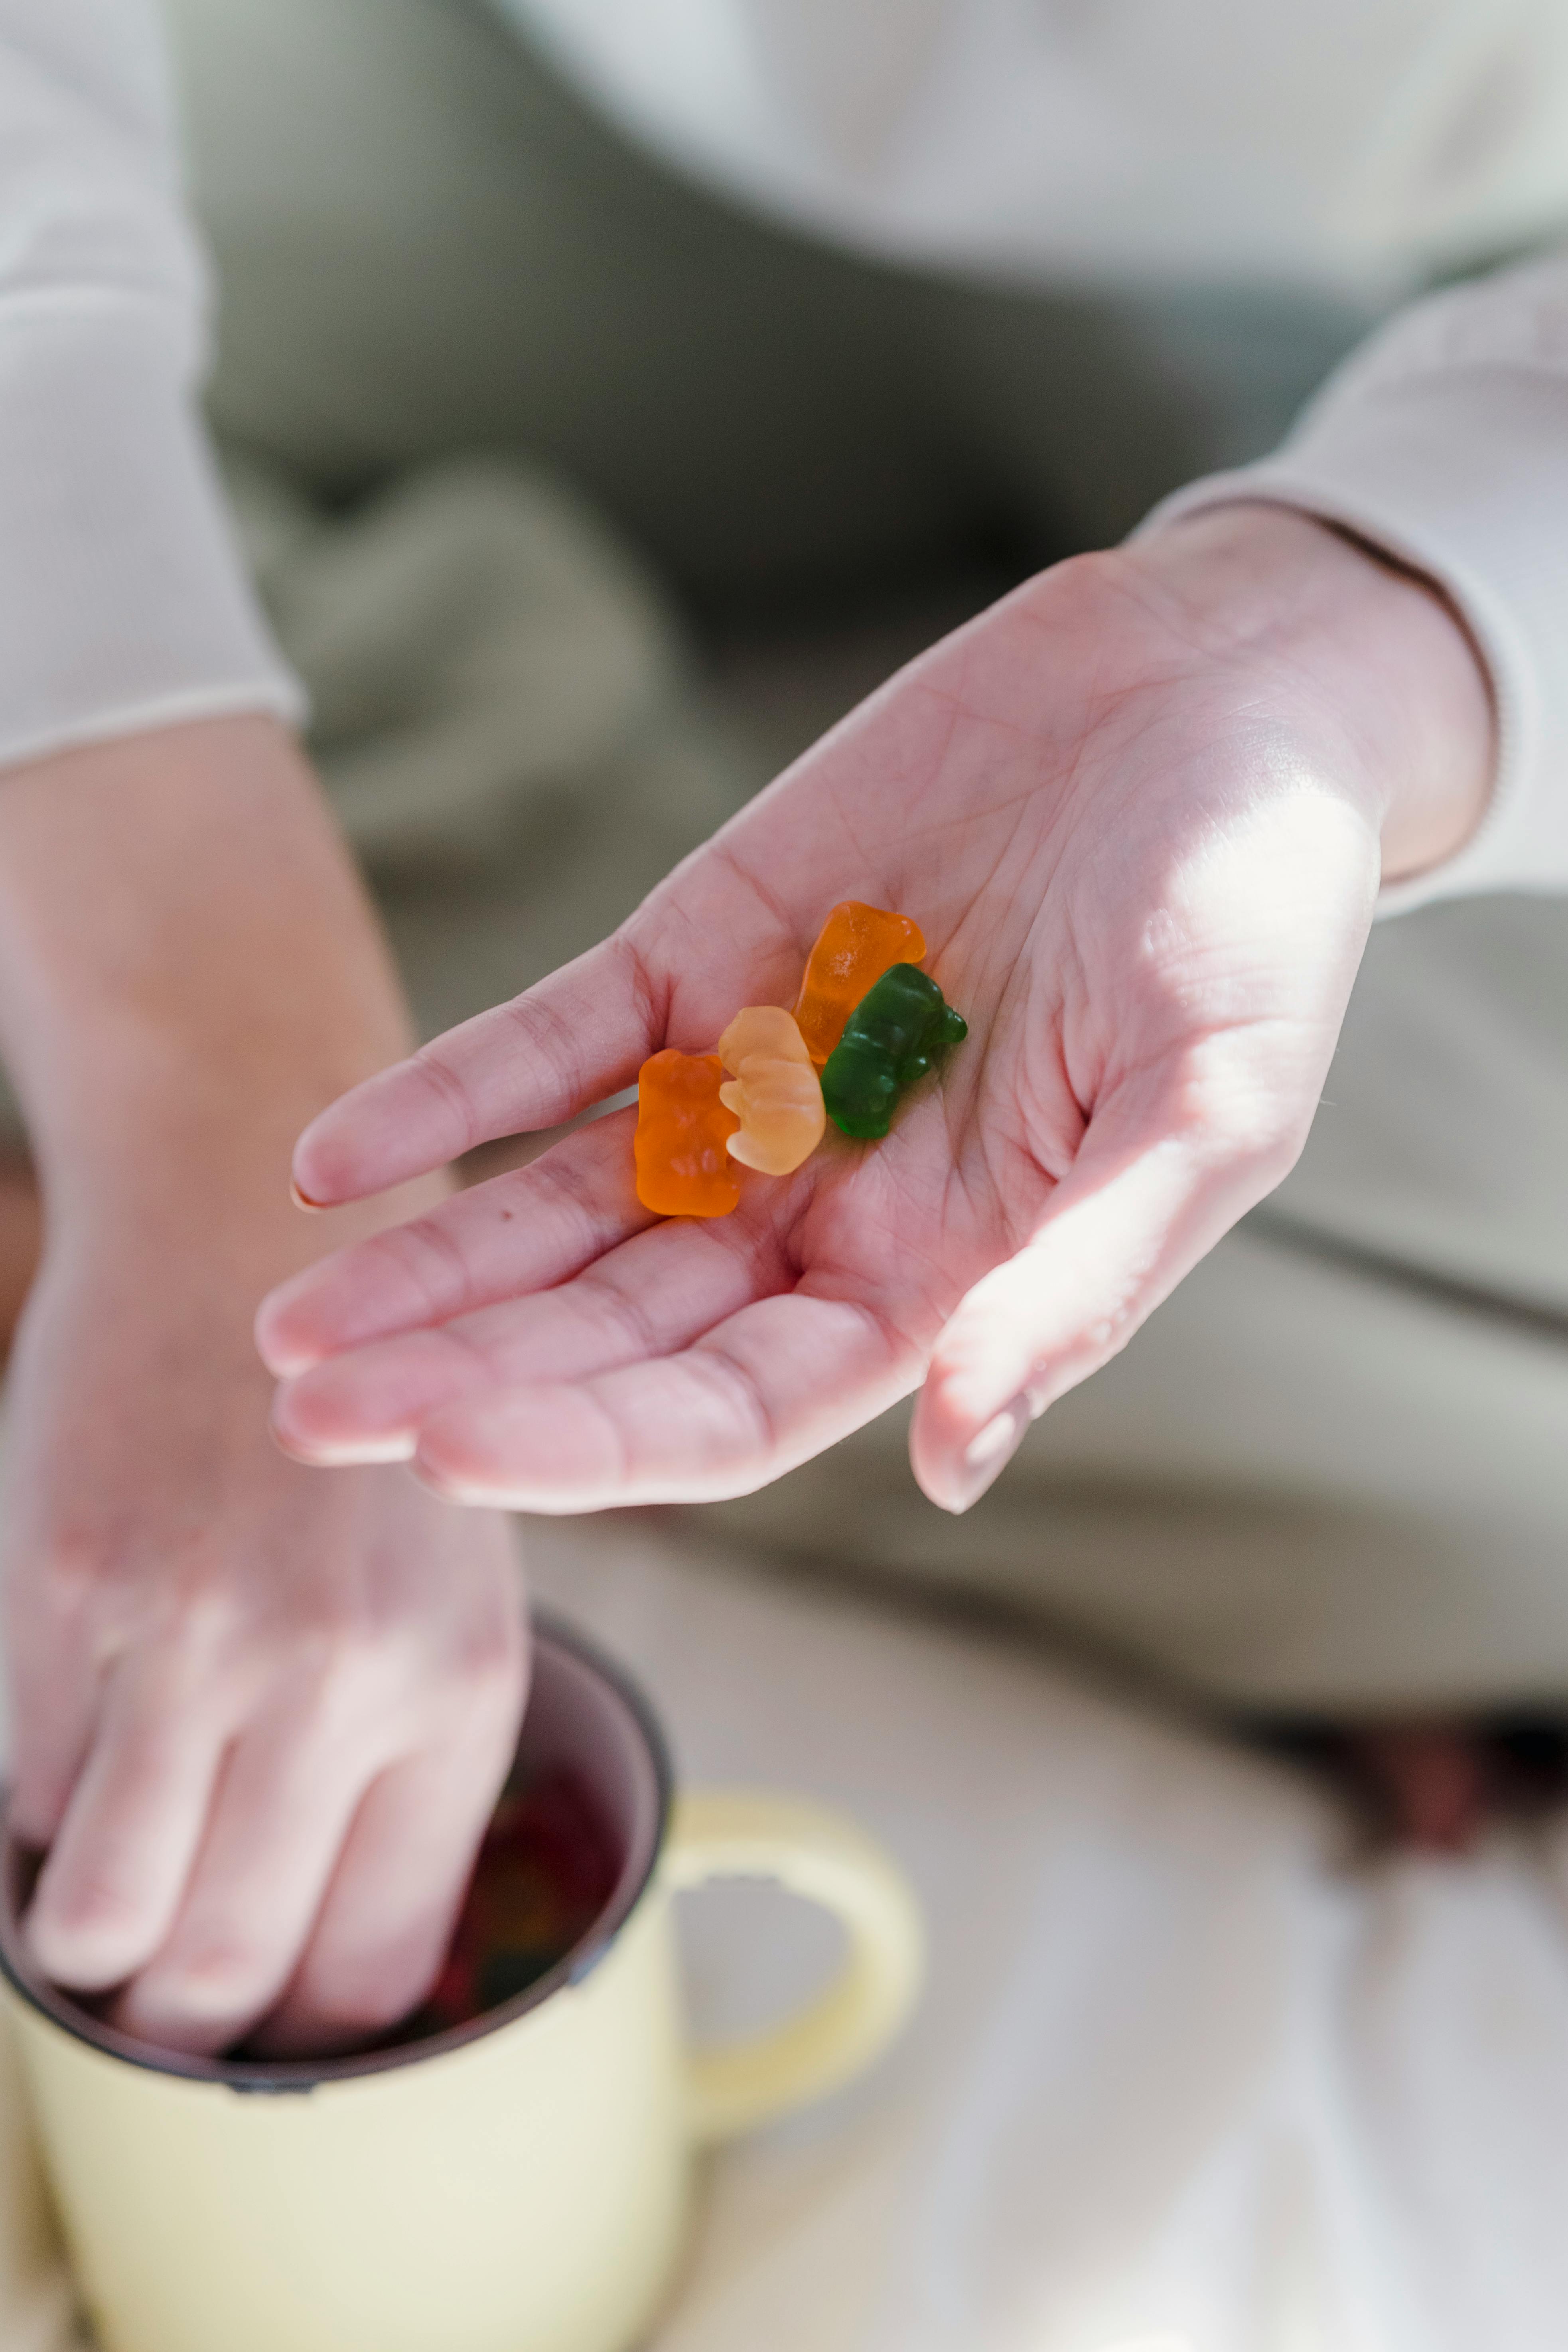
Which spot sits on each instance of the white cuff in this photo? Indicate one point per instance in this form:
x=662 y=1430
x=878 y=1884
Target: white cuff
x=123 y=603
x=1461 y=473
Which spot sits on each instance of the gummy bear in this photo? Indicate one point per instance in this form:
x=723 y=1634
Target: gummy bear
x=773 y=1090
x=854 y=948
x=683 y=1169
x=890 y=1040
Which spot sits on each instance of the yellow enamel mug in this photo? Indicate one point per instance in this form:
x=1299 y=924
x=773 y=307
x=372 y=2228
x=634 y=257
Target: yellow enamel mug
x=518 y=2184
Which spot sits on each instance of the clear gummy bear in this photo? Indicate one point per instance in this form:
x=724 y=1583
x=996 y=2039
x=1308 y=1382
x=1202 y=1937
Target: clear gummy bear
x=772 y=1088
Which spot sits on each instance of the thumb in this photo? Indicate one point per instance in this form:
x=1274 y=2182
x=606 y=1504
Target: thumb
x=1131 y=1220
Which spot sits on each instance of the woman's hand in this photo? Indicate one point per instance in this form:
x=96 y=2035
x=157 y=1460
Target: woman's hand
x=260 y=1716
x=1140 y=808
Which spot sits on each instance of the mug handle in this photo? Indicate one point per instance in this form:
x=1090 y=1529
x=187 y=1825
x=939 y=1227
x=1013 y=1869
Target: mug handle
x=811 y=1852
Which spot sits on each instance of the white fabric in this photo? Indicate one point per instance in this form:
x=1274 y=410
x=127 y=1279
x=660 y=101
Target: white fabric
x=1352 y=144
x=121 y=600
x=1182 y=2080
x=1348 y=144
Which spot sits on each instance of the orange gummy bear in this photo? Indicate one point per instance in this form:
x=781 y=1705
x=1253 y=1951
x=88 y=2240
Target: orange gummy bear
x=855 y=947
x=683 y=1169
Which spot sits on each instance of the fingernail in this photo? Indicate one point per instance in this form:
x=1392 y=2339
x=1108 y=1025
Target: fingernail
x=988 y=1452
x=304 y=1199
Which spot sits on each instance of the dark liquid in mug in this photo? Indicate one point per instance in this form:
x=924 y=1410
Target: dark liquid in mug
x=546 y=1871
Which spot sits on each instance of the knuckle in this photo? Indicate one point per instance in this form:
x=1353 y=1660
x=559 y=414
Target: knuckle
x=1242 y=1130
x=62 y=1582
x=1264 y=1140
x=485 y=1673
x=360 y=1998
x=89 y=1927
x=221 y=1973
x=335 y=1667
x=647 y=987
x=742 y=1398
x=428 y=1258
x=79 y=1564
x=36 y=1806
x=627 y=1317
x=324 y=1645
x=349 y=1669
x=449 y=1091
x=204 y=1619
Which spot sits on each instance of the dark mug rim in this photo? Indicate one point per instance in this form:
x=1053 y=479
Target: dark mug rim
x=263 y=2076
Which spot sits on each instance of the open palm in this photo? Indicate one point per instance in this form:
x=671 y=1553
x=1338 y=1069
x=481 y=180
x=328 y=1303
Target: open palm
x=1136 y=809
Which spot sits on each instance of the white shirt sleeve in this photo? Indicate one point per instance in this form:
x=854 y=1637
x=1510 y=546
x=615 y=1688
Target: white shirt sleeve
x=1445 y=440
x=122 y=601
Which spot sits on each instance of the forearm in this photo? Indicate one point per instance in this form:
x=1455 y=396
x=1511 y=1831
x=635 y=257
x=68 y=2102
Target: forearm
x=188 y=969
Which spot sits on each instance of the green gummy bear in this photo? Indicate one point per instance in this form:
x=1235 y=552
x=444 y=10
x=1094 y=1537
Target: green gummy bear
x=890 y=1040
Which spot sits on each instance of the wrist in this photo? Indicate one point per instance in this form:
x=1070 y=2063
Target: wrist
x=194 y=1207
x=1376 y=649
x=188 y=967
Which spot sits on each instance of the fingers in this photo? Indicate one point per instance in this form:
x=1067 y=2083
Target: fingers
x=1146 y=1198
x=762 y=1392
x=521 y=1232
x=378 y=1944
x=279 y=1817
x=56 y=1694
x=655 y=1294
x=118 y=1869
x=577 y=1038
